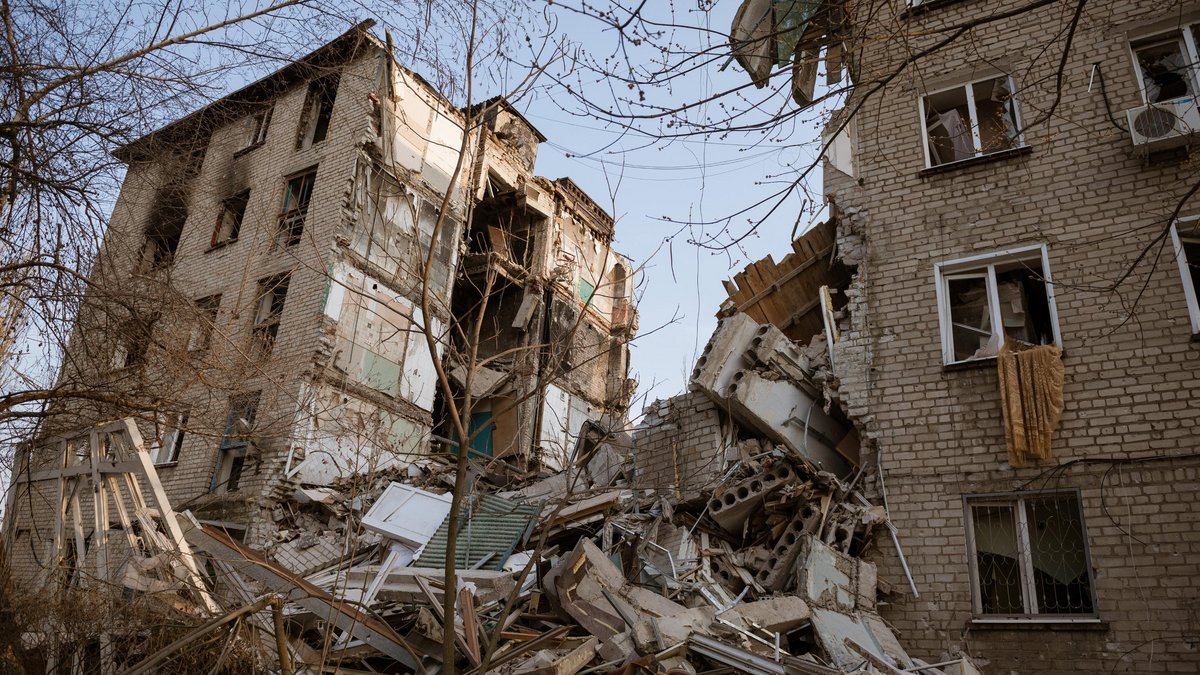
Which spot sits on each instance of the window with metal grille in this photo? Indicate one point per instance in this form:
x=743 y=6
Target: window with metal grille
x=1029 y=557
x=272 y=292
x=295 y=208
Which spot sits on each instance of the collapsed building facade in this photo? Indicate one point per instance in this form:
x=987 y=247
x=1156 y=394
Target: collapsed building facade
x=261 y=289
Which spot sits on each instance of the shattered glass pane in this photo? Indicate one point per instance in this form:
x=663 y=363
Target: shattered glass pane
x=970 y=317
x=1164 y=70
x=948 y=125
x=997 y=559
x=997 y=118
x=1056 y=543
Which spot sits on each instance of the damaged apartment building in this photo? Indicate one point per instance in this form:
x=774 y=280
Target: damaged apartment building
x=257 y=304
x=1010 y=189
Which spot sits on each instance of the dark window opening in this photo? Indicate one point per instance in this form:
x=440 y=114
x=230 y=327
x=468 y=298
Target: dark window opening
x=271 y=295
x=171 y=440
x=296 y=198
x=231 y=461
x=165 y=229
x=257 y=128
x=202 y=329
x=134 y=342
x=318 y=111
x=1191 y=254
x=229 y=224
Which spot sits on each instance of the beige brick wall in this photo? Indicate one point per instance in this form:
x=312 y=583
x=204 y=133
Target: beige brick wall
x=1132 y=369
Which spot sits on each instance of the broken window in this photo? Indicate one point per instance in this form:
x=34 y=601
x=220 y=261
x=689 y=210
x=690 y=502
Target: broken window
x=970 y=120
x=383 y=233
x=296 y=197
x=202 y=329
x=133 y=342
x=231 y=457
x=272 y=291
x=165 y=229
x=170 y=439
x=1166 y=65
x=318 y=111
x=1029 y=556
x=229 y=223
x=1185 y=237
x=256 y=128
x=984 y=299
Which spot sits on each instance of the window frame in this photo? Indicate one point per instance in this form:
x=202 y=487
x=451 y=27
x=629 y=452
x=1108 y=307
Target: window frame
x=1191 y=54
x=268 y=324
x=259 y=125
x=172 y=439
x=228 y=206
x=208 y=310
x=320 y=101
x=234 y=446
x=969 y=87
x=945 y=270
x=1190 y=291
x=292 y=219
x=1017 y=501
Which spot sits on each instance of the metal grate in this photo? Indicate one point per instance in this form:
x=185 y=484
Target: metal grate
x=1030 y=556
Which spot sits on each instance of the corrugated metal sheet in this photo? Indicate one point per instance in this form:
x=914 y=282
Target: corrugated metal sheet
x=488 y=525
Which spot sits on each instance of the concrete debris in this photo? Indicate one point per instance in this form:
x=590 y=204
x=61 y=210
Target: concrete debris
x=723 y=532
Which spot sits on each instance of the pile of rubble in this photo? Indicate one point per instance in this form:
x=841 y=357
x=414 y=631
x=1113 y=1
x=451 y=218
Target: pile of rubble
x=752 y=562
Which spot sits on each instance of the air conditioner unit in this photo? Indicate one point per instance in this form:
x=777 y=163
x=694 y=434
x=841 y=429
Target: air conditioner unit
x=1161 y=126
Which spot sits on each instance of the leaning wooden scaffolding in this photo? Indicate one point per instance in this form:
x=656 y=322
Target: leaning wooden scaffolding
x=112 y=463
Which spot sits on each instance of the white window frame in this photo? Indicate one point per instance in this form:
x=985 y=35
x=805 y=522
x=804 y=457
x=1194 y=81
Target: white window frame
x=1189 y=45
x=1192 y=227
x=969 y=87
x=1017 y=501
x=170 y=445
x=257 y=127
x=985 y=264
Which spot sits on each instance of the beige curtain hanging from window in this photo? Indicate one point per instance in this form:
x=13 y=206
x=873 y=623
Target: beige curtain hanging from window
x=1031 y=396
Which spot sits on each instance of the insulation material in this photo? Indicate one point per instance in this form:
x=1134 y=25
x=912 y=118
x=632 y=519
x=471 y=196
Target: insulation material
x=1031 y=395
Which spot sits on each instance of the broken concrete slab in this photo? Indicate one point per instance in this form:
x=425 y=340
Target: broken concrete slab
x=778 y=614
x=834 y=629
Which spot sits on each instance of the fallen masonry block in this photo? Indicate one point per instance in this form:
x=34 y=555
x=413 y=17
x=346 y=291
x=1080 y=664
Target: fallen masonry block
x=836 y=631
x=730 y=507
x=783 y=412
x=787 y=549
x=725 y=354
x=773 y=350
x=829 y=578
x=778 y=614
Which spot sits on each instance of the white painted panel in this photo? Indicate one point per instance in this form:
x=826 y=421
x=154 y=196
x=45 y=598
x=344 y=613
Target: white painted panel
x=418 y=381
x=337 y=292
x=556 y=414
x=445 y=140
x=407 y=514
